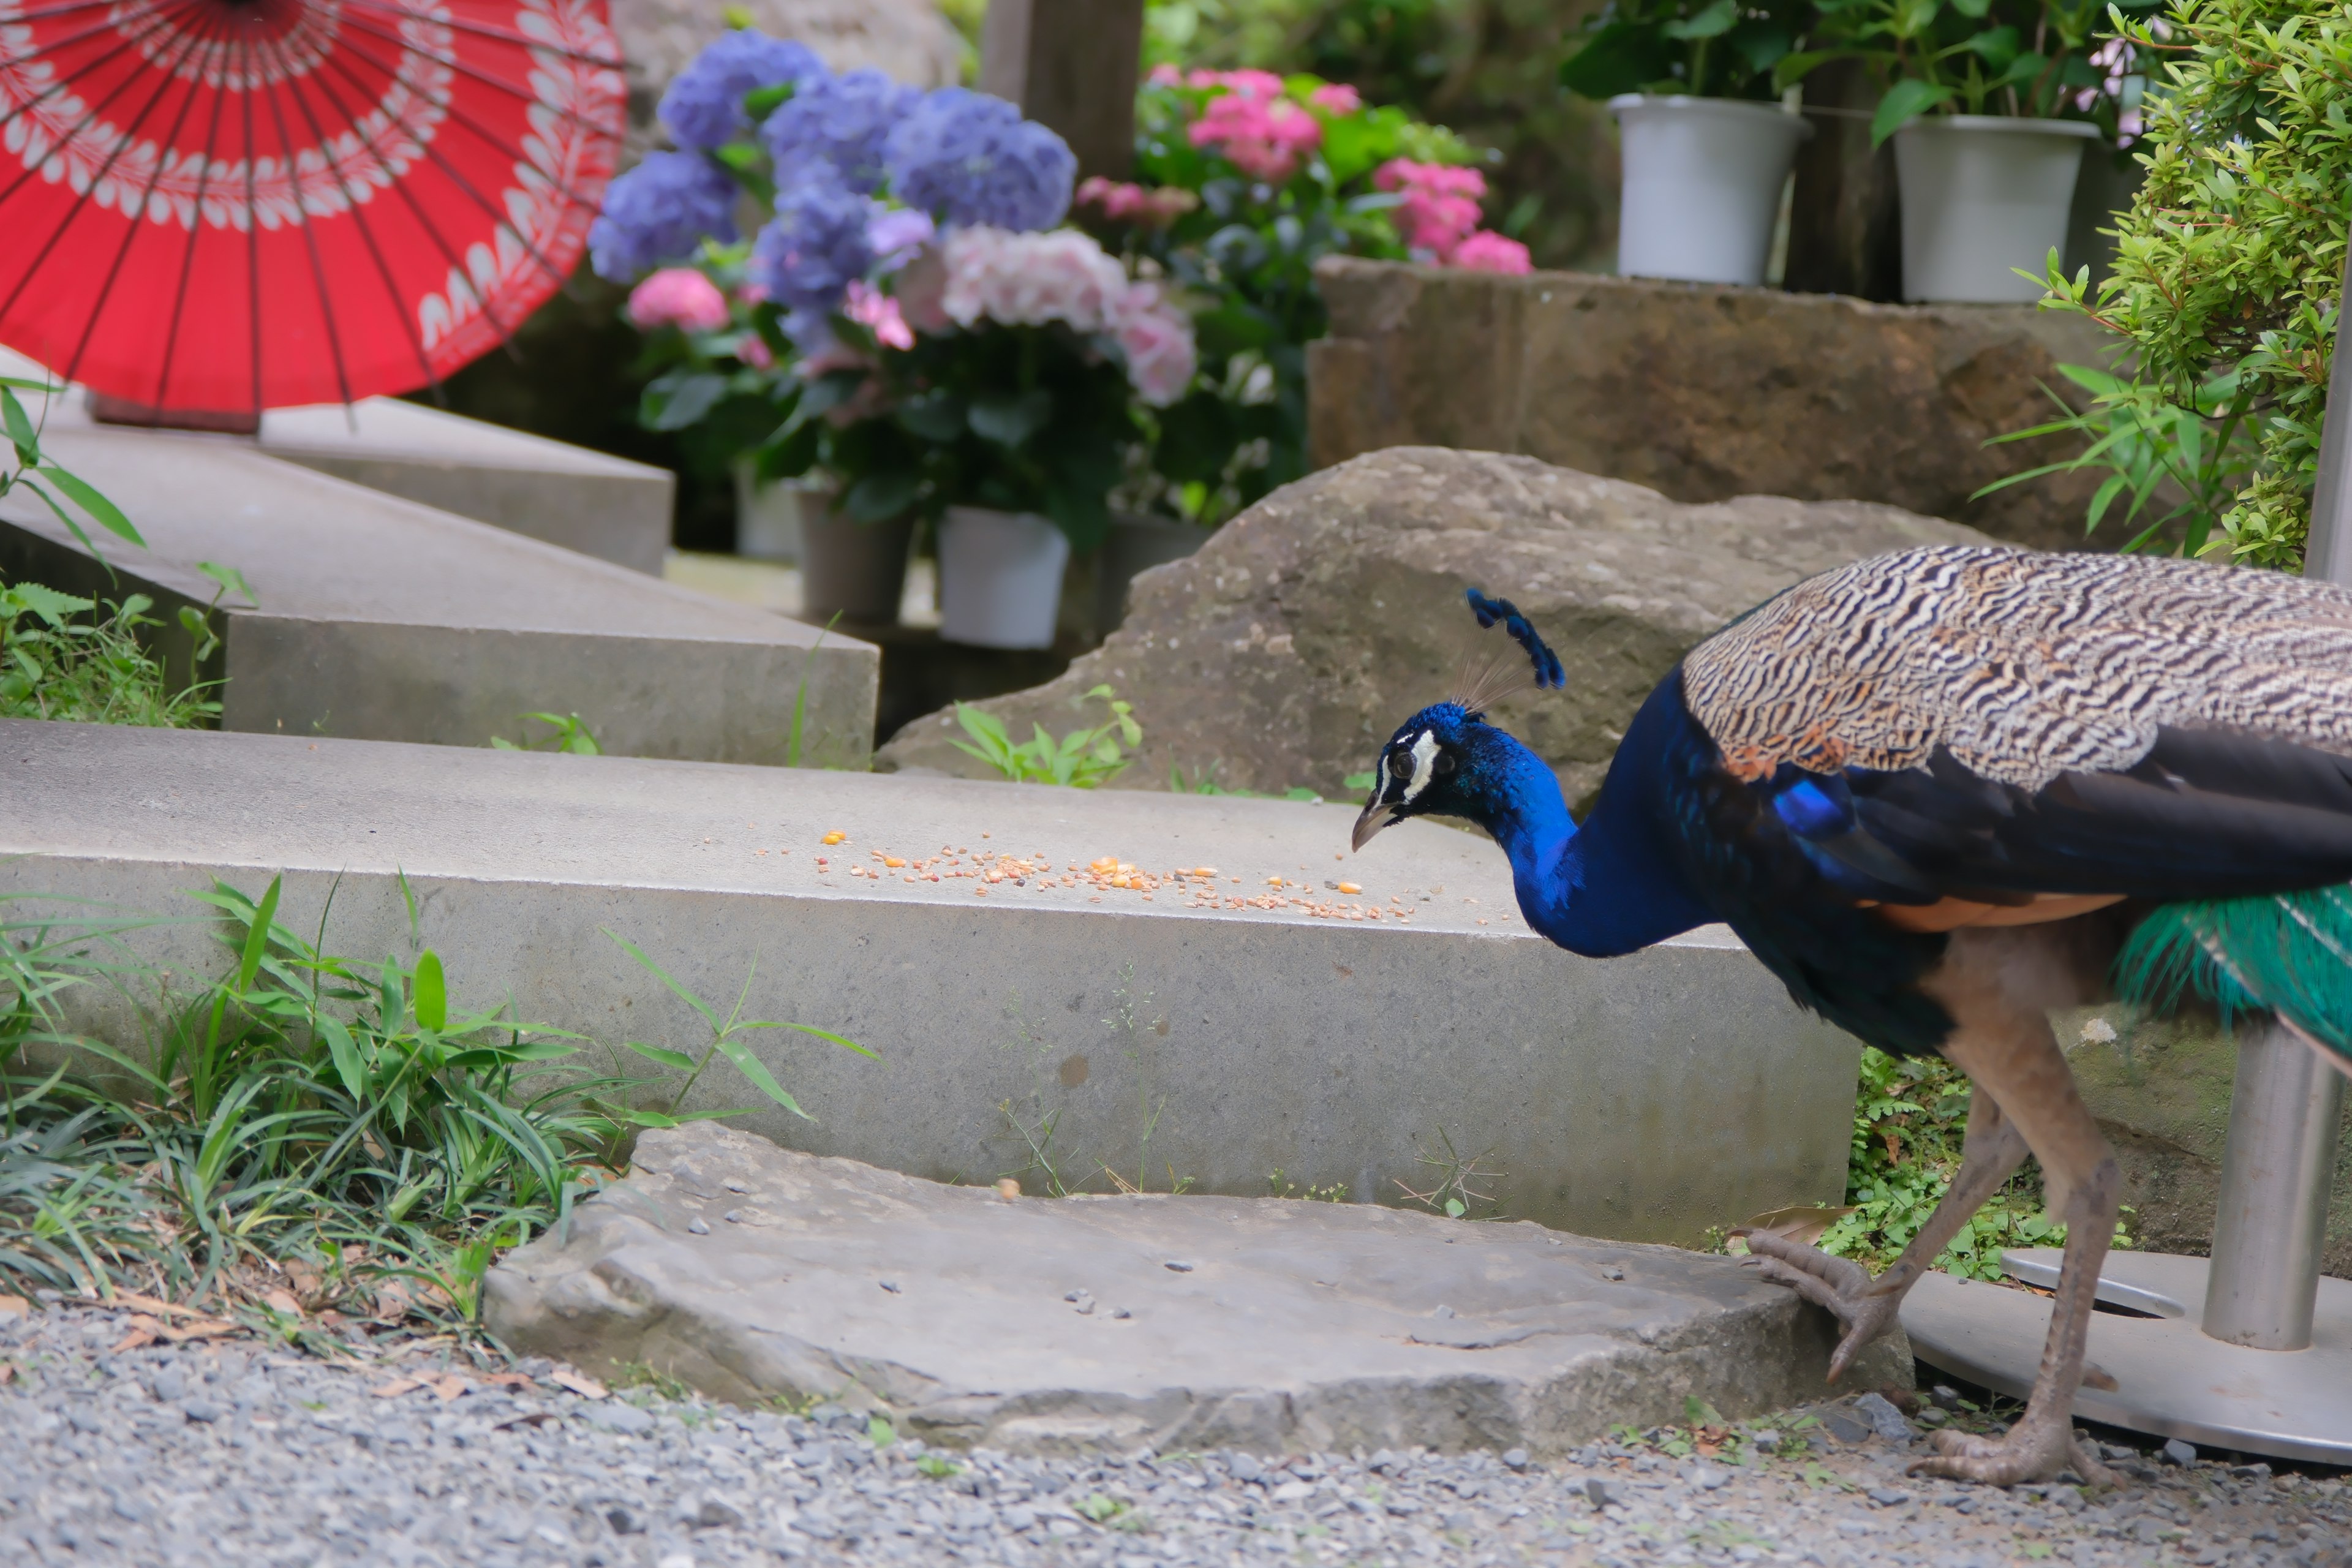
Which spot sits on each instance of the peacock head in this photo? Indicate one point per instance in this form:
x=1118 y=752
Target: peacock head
x=1446 y=760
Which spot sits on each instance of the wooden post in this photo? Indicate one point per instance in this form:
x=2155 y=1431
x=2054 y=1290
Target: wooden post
x=1073 y=65
x=1845 y=233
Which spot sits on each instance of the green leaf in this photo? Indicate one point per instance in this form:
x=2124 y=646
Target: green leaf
x=431 y=993
x=655 y=970
x=1906 y=101
x=256 y=937
x=230 y=579
x=879 y=1432
x=681 y=398
x=878 y=498
x=1623 y=56
x=846 y=1044
x=936 y=416
x=1713 y=21
x=662 y=1054
x=1011 y=419
x=52 y=607
x=19 y=426
x=110 y=516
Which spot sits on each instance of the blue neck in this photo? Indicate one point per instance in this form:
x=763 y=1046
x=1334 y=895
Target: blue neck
x=1613 y=885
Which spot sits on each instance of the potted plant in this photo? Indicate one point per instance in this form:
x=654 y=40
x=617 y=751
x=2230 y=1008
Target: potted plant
x=1990 y=104
x=1706 y=147
x=1242 y=181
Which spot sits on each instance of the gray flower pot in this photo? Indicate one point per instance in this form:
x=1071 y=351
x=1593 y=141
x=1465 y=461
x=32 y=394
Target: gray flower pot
x=857 y=569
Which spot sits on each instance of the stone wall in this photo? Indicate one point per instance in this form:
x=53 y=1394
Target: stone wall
x=1705 y=392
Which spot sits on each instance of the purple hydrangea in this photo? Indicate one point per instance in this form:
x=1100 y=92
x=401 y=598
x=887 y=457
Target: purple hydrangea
x=815 y=247
x=968 y=159
x=660 y=211
x=703 y=106
x=840 y=121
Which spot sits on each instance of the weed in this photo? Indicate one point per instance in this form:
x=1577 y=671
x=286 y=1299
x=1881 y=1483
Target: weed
x=879 y=1432
x=341 y=1115
x=1206 y=784
x=1084 y=758
x=645 y=1376
x=800 y=695
x=567 y=733
x=1455 y=1192
x=1277 y=1185
x=937 y=1467
x=40 y=475
x=1102 y=1510
x=73 y=659
x=1910 y=1118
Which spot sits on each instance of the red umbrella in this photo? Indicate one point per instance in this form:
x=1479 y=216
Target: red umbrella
x=231 y=205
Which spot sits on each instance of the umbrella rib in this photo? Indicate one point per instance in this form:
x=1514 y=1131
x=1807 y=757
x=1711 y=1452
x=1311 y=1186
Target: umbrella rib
x=359 y=215
x=497 y=217
x=483 y=29
x=129 y=41
x=188 y=258
x=252 y=224
x=476 y=74
x=310 y=244
x=81 y=197
x=199 y=37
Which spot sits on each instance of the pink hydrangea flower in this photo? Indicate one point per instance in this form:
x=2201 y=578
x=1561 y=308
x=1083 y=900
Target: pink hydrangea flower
x=1256 y=84
x=1029 y=279
x=1165 y=75
x=1155 y=338
x=879 y=313
x=1486 y=252
x=677 y=296
x=752 y=349
x=1441 y=202
x=1122 y=202
x=1336 y=97
x=1264 y=138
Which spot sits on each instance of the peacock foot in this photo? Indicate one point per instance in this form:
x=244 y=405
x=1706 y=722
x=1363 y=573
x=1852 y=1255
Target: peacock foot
x=1867 y=1307
x=2031 y=1450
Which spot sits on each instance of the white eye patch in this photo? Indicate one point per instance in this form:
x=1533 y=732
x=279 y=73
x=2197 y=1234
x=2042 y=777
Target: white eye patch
x=1424 y=761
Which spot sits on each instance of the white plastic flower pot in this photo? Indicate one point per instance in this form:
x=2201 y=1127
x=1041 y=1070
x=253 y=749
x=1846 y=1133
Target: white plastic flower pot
x=767 y=517
x=999 y=577
x=1983 y=197
x=1702 y=185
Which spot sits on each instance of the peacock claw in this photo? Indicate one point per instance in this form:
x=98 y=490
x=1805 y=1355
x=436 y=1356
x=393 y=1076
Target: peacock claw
x=1867 y=1307
x=2028 y=1451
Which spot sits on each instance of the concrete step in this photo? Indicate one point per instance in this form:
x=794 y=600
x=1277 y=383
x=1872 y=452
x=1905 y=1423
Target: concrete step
x=589 y=501
x=1159 y=1322
x=380 y=618
x=1032 y=1020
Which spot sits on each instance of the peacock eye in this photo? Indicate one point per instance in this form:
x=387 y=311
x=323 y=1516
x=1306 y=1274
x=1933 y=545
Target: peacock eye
x=1444 y=763
x=1400 y=765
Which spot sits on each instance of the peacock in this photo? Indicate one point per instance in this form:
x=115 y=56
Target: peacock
x=1939 y=792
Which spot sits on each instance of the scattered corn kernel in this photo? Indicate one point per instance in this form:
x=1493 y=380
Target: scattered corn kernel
x=1104 y=867
x=893 y=862
x=1350 y=888
x=1006 y=1187
x=835 y=836
x=1274 y=881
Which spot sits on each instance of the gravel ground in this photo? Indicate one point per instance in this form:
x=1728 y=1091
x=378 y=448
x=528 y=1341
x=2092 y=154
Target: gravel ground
x=229 y=1452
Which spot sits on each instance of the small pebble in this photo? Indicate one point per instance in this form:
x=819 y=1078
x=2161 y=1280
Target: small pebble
x=698 y=1226
x=2178 y=1452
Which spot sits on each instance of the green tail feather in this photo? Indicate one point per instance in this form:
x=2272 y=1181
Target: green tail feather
x=2287 y=953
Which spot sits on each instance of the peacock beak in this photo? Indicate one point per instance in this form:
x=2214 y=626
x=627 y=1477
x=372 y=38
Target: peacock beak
x=1371 y=821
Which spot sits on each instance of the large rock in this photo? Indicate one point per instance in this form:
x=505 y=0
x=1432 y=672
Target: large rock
x=1707 y=393
x=1072 y=1324
x=1310 y=626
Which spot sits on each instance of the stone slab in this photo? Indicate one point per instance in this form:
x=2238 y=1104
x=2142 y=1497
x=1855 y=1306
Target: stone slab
x=1056 y=1028
x=1706 y=392
x=1271 y=1325
x=589 y=501
x=380 y=618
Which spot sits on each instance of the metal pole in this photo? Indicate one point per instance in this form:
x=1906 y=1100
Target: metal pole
x=2280 y=1161
x=2277 y=1171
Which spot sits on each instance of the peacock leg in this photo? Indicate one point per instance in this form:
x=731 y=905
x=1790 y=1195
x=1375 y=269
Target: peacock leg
x=1999 y=985
x=1868 y=1306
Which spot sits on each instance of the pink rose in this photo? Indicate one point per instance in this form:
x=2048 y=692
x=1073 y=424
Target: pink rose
x=1486 y=252
x=677 y=296
x=1336 y=97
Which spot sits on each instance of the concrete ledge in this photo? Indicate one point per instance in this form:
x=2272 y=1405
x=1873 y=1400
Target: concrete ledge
x=379 y=618
x=1263 y=1324
x=586 y=501
x=1021 y=1024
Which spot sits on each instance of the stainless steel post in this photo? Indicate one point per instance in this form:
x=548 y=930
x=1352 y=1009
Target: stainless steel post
x=2276 y=1171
